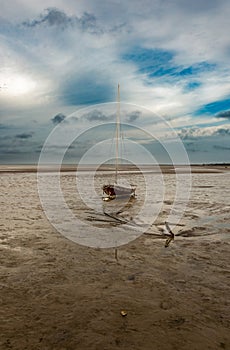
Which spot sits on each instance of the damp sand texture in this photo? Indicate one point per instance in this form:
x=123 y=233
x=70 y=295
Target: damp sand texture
x=58 y=295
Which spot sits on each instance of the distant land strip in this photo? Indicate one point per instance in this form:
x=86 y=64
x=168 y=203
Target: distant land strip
x=165 y=169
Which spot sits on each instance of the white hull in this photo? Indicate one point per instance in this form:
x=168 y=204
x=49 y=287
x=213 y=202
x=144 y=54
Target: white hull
x=118 y=191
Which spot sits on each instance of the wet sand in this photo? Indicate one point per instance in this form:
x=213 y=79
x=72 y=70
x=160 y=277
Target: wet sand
x=58 y=295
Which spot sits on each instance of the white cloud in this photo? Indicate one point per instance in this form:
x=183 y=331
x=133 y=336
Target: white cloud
x=195 y=132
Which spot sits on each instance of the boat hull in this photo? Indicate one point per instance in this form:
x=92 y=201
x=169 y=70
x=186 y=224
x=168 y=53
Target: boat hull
x=114 y=191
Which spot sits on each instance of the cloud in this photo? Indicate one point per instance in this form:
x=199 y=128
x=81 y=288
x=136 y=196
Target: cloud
x=3 y=126
x=88 y=22
x=225 y=115
x=24 y=135
x=220 y=147
x=141 y=57
x=197 y=6
x=16 y=148
x=175 y=62
x=97 y=115
x=197 y=133
x=133 y=116
x=57 y=119
x=87 y=88
x=54 y=17
x=222 y=131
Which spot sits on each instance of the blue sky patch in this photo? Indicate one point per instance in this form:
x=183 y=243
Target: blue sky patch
x=197 y=68
x=148 y=57
x=192 y=85
x=153 y=62
x=214 y=107
x=156 y=63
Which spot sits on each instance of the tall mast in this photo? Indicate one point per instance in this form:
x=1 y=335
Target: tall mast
x=117 y=132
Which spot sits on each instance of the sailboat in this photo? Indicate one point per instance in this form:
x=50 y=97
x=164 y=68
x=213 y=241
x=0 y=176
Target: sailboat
x=118 y=190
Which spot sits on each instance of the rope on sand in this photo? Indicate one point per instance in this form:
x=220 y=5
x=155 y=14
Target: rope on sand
x=171 y=235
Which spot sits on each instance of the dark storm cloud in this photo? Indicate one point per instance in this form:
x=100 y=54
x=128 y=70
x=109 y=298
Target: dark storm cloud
x=24 y=135
x=57 y=119
x=13 y=151
x=52 y=17
x=20 y=146
x=224 y=114
x=88 y=89
x=2 y=126
x=119 y=28
x=55 y=17
x=88 y=22
x=221 y=147
x=97 y=115
x=56 y=147
x=133 y=116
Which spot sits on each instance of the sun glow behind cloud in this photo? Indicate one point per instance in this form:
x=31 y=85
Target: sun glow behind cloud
x=16 y=84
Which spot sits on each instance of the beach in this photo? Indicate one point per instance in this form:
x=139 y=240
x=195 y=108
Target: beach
x=59 y=295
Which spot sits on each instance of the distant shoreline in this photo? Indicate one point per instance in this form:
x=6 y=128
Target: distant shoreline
x=165 y=169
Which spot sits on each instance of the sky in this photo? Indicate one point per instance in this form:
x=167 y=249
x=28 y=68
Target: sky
x=61 y=62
